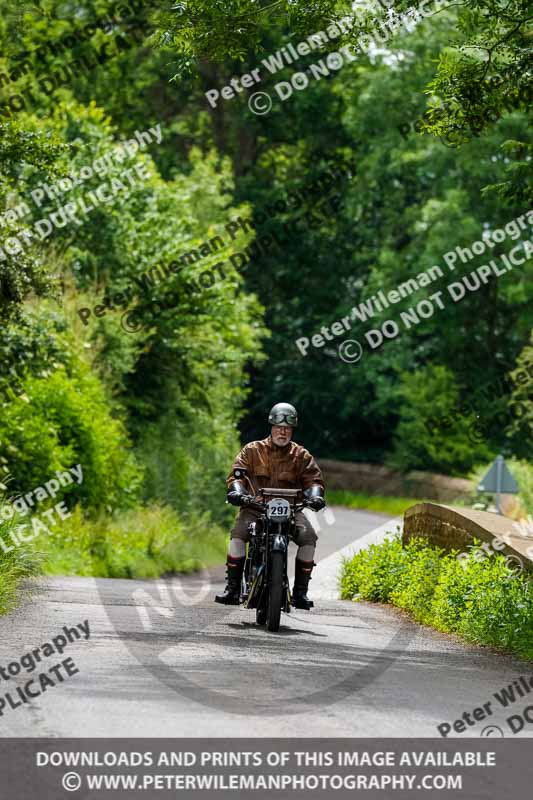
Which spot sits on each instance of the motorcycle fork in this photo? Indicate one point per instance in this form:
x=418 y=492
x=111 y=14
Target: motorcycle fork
x=287 y=594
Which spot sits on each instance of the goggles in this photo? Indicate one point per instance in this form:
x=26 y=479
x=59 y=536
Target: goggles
x=287 y=419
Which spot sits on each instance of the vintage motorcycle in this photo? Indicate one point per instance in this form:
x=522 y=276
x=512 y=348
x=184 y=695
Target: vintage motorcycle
x=265 y=583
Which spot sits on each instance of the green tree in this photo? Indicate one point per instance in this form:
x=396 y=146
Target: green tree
x=21 y=271
x=433 y=432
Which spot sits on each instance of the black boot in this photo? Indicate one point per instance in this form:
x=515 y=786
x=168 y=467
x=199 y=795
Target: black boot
x=302 y=576
x=232 y=592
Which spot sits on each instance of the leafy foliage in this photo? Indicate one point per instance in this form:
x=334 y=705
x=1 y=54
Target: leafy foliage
x=340 y=176
x=485 y=76
x=200 y=29
x=64 y=420
x=481 y=599
x=22 y=272
x=407 y=201
x=429 y=397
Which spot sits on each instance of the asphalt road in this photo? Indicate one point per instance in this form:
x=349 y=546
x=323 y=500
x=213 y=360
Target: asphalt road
x=163 y=660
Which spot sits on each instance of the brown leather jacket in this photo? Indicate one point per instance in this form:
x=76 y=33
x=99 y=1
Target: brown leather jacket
x=289 y=467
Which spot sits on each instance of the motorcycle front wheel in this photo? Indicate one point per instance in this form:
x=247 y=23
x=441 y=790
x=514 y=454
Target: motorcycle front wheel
x=275 y=591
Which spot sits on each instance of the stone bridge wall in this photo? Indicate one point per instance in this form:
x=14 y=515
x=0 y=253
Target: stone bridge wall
x=455 y=528
x=374 y=479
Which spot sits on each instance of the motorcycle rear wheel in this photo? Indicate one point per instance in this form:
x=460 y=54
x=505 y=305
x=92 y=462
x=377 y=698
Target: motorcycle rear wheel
x=275 y=591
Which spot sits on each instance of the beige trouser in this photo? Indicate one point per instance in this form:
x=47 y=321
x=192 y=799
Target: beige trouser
x=305 y=538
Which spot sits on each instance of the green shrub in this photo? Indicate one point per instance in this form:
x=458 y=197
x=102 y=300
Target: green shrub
x=416 y=585
x=480 y=598
x=63 y=420
x=452 y=593
x=373 y=573
x=499 y=609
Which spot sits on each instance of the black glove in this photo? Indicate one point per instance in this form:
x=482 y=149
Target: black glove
x=316 y=503
x=315 y=498
x=236 y=494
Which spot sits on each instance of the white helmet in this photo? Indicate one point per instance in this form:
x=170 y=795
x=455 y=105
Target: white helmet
x=283 y=414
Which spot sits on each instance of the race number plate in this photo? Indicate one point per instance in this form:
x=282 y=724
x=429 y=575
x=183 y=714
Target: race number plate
x=278 y=509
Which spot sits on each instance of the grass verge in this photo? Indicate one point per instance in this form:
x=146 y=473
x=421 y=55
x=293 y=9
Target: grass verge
x=483 y=601
x=16 y=564
x=370 y=502
x=142 y=543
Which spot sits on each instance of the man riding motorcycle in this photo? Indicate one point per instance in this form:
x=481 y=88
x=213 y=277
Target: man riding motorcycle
x=279 y=463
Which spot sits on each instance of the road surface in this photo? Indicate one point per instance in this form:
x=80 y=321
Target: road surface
x=163 y=660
